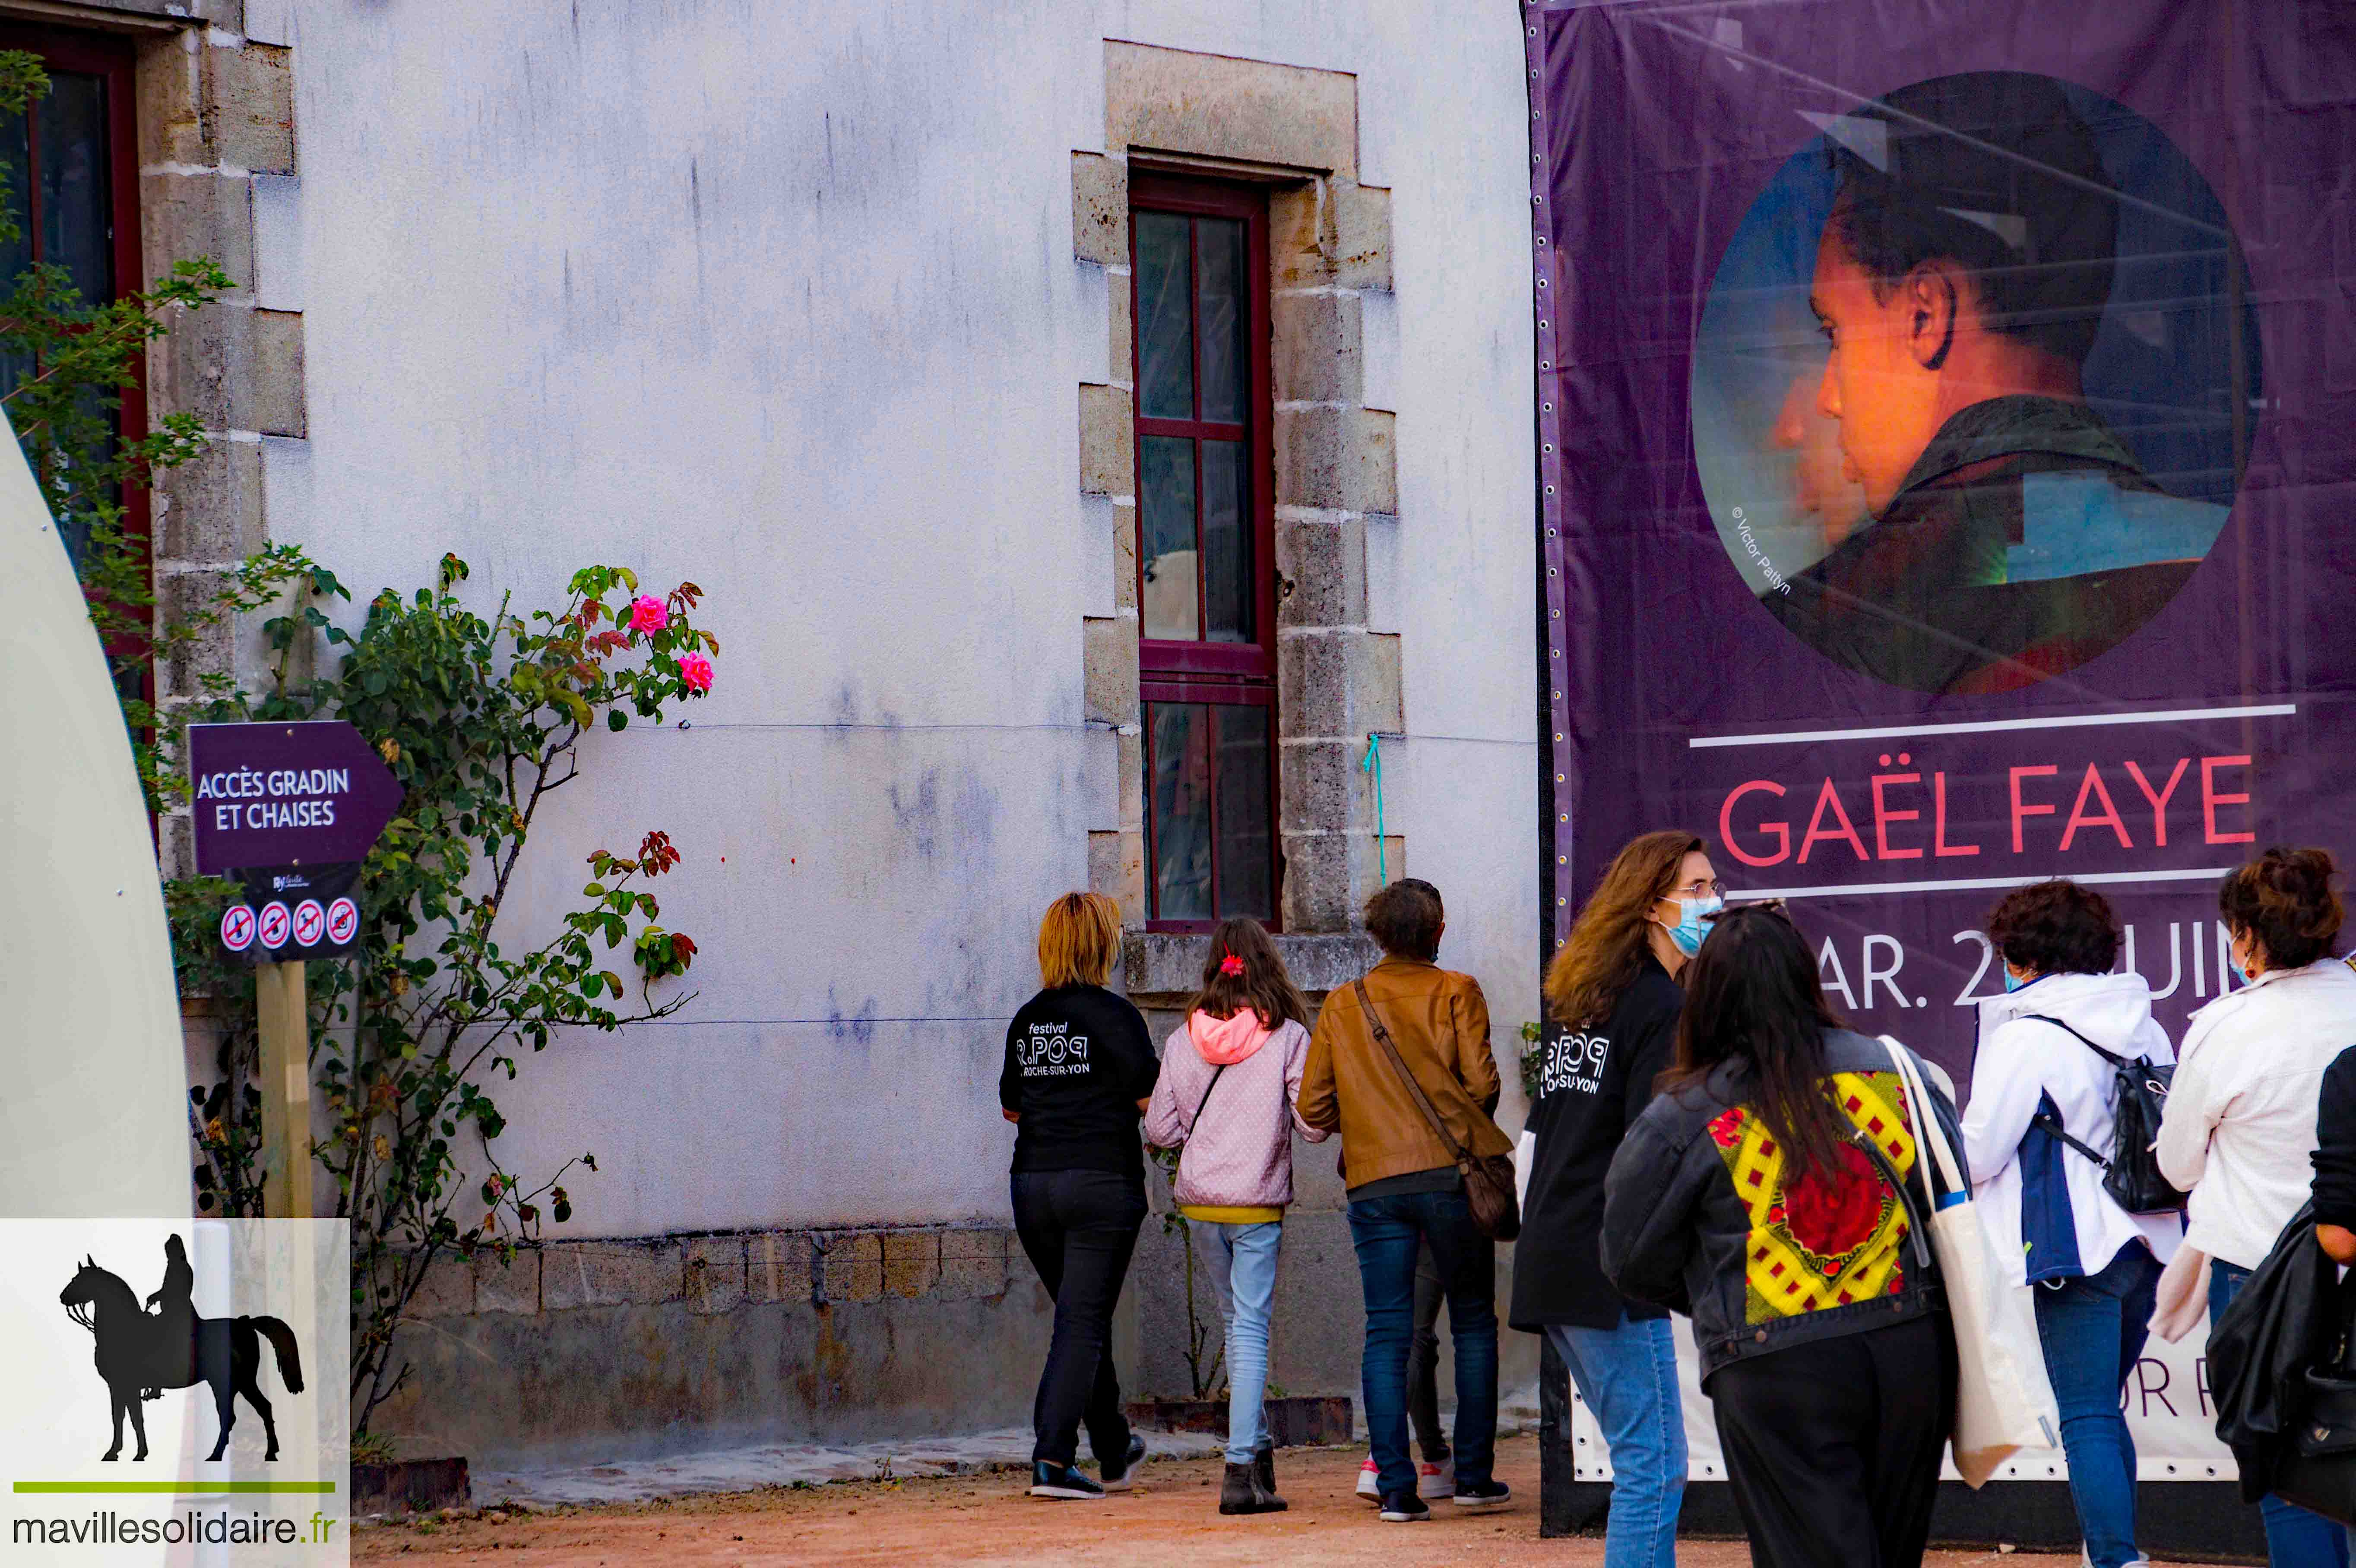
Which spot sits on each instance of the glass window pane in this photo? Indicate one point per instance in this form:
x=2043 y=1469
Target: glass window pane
x=1226 y=543
x=1182 y=811
x=74 y=207
x=1166 y=333
x=1168 y=598
x=1222 y=319
x=16 y=254
x=1239 y=737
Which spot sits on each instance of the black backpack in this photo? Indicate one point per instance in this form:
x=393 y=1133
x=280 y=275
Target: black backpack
x=2131 y=1174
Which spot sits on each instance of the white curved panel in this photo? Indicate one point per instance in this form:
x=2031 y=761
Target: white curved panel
x=93 y=1123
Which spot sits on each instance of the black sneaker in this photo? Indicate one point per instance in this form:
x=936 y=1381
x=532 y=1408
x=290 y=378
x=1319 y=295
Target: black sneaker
x=1404 y=1508
x=1120 y=1477
x=1480 y=1497
x=1049 y=1480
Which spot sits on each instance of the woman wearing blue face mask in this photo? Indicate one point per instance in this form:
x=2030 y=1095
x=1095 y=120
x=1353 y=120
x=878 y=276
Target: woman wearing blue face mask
x=1612 y=990
x=2241 y=1120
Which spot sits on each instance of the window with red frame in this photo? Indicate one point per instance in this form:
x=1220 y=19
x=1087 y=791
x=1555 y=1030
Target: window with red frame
x=1206 y=582
x=69 y=172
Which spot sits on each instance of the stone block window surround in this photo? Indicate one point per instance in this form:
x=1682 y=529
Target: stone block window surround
x=1206 y=575
x=1283 y=140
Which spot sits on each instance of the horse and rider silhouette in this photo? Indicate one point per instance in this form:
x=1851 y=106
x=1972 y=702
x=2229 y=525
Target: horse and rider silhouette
x=140 y=1354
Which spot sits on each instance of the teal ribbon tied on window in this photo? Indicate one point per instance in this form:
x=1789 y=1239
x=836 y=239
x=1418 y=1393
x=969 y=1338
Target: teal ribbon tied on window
x=1372 y=763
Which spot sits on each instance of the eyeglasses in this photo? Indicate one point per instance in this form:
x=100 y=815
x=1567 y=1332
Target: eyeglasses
x=1706 y=889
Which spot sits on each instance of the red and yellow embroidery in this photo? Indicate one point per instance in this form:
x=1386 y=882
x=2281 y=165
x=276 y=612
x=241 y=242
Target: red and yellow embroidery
x=1816 y=1242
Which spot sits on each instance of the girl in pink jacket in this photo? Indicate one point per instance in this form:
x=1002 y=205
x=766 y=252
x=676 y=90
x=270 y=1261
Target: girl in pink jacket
x=1225 y=1093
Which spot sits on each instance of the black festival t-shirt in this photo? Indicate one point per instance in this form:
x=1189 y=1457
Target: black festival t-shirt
x=1077 y=1061
x=1593 y=1085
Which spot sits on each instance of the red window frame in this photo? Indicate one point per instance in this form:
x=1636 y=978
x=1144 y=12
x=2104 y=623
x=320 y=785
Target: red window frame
x=110 y=57
x=1242 y=661
x=1224 y=694
x=1224 y=674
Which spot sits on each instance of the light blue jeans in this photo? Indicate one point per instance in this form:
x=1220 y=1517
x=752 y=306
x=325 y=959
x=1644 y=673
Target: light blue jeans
x=1249 y=1254
x=1628 y=1376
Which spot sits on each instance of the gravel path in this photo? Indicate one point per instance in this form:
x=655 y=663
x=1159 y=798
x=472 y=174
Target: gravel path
x=978 y=1520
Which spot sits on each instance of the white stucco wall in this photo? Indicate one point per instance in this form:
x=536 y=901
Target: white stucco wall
x=781 y=298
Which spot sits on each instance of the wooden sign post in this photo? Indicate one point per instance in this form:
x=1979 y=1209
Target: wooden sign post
x=285 y=1090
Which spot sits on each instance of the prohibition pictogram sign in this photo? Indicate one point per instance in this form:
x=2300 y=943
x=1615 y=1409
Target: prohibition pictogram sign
x=276 y=925
x=237 y=928
x=310 y=923
x=343 y=922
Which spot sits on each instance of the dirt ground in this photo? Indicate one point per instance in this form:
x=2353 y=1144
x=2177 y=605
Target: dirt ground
x=978 y=1520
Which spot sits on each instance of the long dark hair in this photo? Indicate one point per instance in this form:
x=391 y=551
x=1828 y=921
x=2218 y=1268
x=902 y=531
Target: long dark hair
x=1752 y=997
x=1264 y=986
x=1607 y=945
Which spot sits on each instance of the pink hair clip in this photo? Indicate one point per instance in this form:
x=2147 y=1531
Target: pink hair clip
x=1231 y=965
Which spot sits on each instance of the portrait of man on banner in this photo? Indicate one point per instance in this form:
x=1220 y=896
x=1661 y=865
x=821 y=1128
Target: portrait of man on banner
x=1983 y=526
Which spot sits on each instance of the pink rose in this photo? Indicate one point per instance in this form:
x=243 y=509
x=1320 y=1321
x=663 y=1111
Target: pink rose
x=695 y=673
x=648 y=613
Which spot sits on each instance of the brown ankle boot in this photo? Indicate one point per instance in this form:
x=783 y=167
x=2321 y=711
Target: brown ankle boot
x=1264 y=1475
x=1242 y=1493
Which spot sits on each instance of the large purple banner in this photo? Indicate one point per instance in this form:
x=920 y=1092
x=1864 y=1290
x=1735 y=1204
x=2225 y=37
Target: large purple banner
x=1947 y=420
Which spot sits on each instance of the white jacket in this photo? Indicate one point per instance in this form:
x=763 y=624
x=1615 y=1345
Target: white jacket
x=2041 y=1201
x=2240 y=1116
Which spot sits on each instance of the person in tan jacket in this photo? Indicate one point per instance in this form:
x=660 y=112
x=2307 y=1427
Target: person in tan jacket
x=1404 y=1187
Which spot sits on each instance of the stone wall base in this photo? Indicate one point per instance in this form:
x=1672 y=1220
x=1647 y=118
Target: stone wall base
x=583 y=1351
x=580 y=1352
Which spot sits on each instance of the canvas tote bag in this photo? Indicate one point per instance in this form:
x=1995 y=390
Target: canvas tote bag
x=2004 y=1401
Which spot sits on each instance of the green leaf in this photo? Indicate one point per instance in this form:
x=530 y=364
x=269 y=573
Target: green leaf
x=617 y=721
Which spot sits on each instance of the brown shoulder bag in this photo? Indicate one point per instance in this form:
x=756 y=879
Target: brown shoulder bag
x=1488 y=1178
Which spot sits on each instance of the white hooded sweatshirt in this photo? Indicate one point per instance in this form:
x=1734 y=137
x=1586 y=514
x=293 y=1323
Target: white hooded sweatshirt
x=2041 y=1201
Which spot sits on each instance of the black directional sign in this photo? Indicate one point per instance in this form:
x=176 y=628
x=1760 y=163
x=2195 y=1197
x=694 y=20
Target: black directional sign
x=283 y=914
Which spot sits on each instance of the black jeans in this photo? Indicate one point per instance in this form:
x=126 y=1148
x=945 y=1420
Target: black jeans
x=1833 y=1448
x=1079 y=1228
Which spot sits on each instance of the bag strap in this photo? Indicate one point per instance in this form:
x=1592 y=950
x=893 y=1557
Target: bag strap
x=2053 y=1125
x=1916 y=1229
x=1927 y=1131
x=2118 y=1062
x=1462 y=1156
x=1197 y=1118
